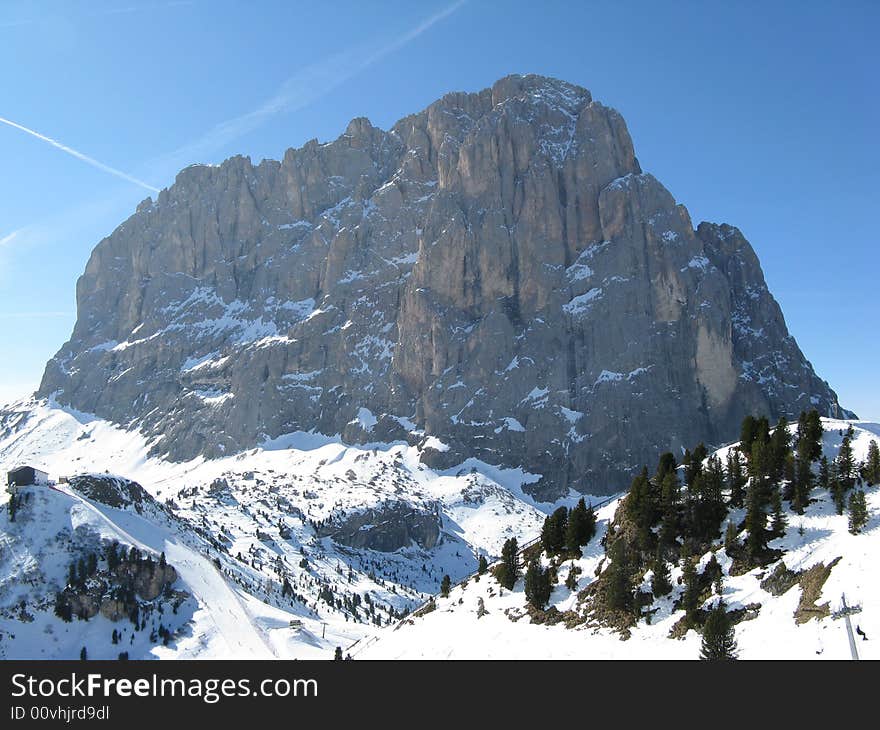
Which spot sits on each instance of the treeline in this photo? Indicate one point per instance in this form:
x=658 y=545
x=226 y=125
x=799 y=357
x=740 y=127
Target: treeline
x=677 y=514
x=563 y=534
x=682 y=511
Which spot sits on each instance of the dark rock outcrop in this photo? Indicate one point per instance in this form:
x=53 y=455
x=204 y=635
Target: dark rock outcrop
x=386 y=528
x=111 y=490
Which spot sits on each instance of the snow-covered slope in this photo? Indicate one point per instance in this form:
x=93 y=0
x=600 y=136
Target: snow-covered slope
x=343 y=541
x=334 y=522
x=212 y=617
x=820 y=536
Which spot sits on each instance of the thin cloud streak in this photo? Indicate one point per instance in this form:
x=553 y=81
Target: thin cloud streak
x=302 y=89
x=8 y=238
x=80 y=156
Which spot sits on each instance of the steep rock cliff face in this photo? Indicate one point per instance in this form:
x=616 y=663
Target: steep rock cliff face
x=495 y=273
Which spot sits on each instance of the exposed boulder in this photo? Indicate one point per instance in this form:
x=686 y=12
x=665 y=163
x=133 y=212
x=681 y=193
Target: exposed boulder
x=385 y=528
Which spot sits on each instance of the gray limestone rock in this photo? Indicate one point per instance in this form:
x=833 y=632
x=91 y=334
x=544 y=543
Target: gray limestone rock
x=494 y=276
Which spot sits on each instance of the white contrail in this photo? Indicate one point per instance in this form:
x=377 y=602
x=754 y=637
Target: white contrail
x=8 y=237
x=413 y=33
x=304 y=88
x=80 y=156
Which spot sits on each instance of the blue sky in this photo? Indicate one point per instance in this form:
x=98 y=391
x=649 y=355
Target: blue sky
x=764 y=115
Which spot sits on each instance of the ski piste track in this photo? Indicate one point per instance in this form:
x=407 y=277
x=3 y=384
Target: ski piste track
x=220 y=603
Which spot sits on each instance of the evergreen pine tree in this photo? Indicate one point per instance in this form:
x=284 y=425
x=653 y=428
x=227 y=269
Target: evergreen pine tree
x=694 y=465
x=537 y=585
x=445 y=585
x=788 y=474
x=112 y=556
x=824 y=473
x=778 y=522
x=712 y=573
x=712 y=506
x=553 y=531
x=858 y=511
x=337 y=655
x=642 y=509
x=813 y=435
x=62 y=608
x=801 y=427
x=619 y=585
x=736 y=479
x=690 y=599
x=803 y=484
x=482 y=565
x=661 y=582
x=580 y=528
x=719 y=638
x=669 y=497
x=808 y=446
x=509 y=569
x=589 y=525
x=665 y=465
x=872 y=464
x=780 y=443
x=574 y=528
x=747 y=434
x=759 y=469
x=762 y=430
x=846 y=463
x=755 y=523
x=838 y=493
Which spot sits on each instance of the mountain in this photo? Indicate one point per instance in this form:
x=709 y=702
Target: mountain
x=785 y=608
x=341 y=540
x=493 y=277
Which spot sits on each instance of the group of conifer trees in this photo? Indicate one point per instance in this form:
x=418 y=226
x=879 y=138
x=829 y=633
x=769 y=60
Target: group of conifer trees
x=566 y=531
x=678 y=513
x=563 y=535
x=767 y=468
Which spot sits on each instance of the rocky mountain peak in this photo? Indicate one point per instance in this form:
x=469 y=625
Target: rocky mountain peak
x=494 y=277
x=533 y=88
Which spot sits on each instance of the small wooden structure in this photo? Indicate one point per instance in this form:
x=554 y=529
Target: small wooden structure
x=24 y=476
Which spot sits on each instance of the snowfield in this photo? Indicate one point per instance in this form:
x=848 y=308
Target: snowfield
x=454 y=630
x=256 y=512
x=258 y=540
